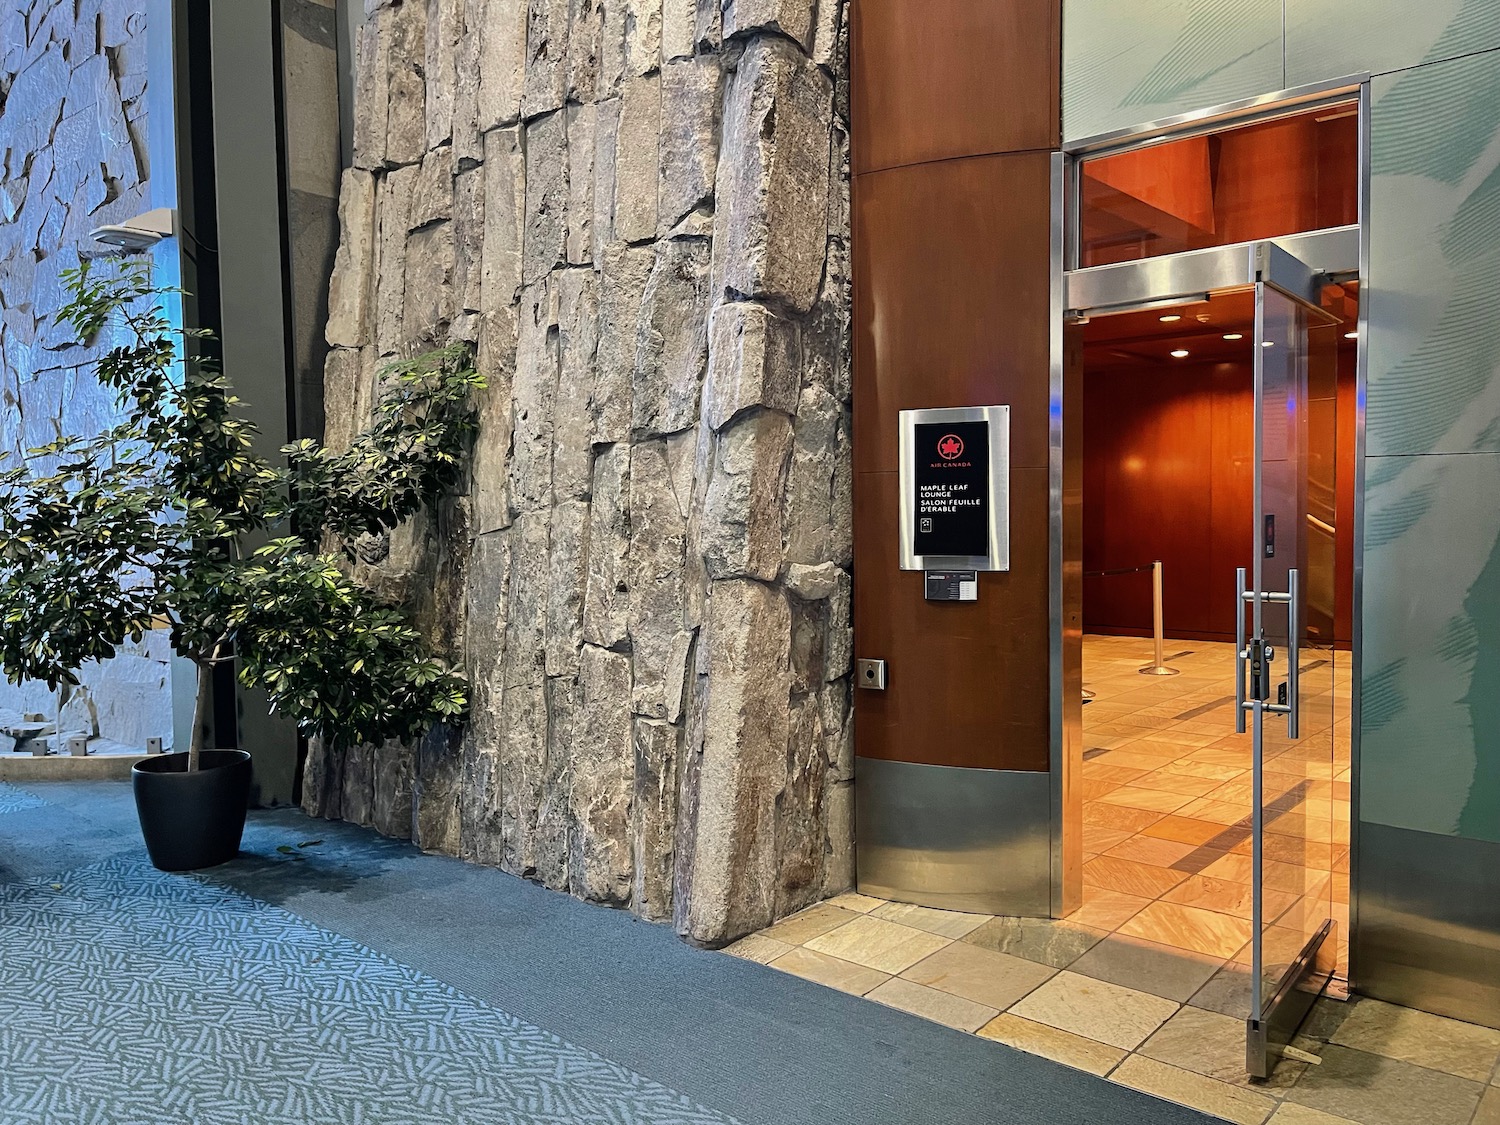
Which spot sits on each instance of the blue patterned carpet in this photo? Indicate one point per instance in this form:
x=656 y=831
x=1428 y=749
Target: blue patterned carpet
x=221 y=1002
x=357 y=981
x=15 y=800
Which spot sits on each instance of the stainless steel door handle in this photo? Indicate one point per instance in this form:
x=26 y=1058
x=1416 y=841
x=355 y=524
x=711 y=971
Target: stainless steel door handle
x=1258 y=655
x=1241 y=653
x=1293 y=656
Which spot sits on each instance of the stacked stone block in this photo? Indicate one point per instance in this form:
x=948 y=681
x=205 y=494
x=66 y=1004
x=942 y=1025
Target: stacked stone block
x=637 y=213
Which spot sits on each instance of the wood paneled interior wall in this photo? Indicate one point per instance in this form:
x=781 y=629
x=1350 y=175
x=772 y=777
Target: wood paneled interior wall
x=955 y=115
x=1275 y=177
x=1168 y=475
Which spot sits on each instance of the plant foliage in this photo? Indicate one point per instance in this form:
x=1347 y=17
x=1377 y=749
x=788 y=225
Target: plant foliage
x=170 y=517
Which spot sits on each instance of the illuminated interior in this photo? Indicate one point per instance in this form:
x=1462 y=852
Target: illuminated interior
x=1272 y=178
x=1168 y=416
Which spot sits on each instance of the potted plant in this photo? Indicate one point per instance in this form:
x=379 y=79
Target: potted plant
x=170 y=519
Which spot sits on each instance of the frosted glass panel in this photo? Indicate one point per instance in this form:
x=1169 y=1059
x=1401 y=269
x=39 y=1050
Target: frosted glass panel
x=1327 y=39
x=1435 y=260
x=1126 y=62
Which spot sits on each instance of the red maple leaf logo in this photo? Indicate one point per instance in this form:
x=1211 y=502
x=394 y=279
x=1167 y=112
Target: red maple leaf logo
x=950 y=447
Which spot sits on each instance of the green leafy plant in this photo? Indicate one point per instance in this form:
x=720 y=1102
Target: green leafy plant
x=169 y=518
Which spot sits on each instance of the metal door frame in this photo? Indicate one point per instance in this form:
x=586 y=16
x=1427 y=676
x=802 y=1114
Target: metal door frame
x=1342 y=254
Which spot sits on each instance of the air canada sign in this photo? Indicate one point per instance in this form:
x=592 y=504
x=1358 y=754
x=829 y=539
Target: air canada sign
x=952 y=481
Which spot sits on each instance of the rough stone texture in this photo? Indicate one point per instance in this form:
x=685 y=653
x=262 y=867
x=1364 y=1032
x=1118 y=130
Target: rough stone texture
x=638 y=212
x=73 y=135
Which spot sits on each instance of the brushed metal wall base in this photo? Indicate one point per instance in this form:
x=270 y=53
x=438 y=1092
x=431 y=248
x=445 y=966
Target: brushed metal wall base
x=954 y=838
x=1429 y=922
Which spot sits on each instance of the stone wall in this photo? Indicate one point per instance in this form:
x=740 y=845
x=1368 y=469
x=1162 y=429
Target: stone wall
x=637 y=211
x=72 y=157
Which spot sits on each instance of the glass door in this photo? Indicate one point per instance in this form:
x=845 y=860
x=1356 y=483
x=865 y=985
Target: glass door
x=1285 y=674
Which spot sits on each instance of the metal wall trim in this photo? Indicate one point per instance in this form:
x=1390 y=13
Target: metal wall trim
x=952 y=837
x=1127 y=286
x=1356 y=617
x=1066 y=892
x=1244 y=111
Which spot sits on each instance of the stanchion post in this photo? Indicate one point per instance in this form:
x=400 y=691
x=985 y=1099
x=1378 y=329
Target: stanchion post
x=1158 y=666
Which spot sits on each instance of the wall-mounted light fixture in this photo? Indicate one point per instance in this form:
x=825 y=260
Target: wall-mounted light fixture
x=140 y=233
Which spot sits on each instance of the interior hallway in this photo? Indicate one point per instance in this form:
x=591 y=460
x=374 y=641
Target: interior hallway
x=1147 y=983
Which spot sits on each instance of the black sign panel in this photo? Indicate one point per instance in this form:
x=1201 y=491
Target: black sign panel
x=952 y=476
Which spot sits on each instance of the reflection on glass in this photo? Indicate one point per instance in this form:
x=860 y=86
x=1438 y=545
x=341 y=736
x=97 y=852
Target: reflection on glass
x=1295 y=782
x=1272 y=178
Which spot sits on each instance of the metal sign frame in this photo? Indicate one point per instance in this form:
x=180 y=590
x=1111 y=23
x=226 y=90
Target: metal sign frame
x=998 y=558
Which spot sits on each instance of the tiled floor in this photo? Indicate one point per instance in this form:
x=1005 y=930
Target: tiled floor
x=1148 y=982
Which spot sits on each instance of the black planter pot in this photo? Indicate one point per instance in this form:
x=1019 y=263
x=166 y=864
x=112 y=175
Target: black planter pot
x=192 y=820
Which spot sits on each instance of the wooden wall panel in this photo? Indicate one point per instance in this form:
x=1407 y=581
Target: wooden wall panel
x=1168 y=475
x=966 y=681
x=951 y=296
x=950 y=78
x=951 y=309
x=1153 y=444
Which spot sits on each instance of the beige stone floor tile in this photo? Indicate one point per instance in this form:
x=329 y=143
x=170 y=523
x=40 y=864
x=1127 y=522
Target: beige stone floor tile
x=1204 y=770
x=1200 y=833
x=1245 y=1107
x=1048 y=941
x=1213 y=1045
x=1218 y=812
x=1153 y=800
x=1292 y=1114
x=1226 y=992
x=1101 y=815
x=1096 y=1009
x=1135 y=759
x=853 y=900
x=1226 y=896
x=1450 y=1046
x=1231 y=866
x=1147 y=966
x=944 y=923
x=1184 y=784
x=1151 y=849
x=1092 y=790
x=1376 y=1090
x=802 y=927
x=1107 y=910
x=1053 y=1043
x=1122 y=775
x=830 y=971
x=1143 y=880
x=932 y=1004
x=981 y=975
x=878 y=944
x=758 y=947
x=1187 y=927
x=1489 y=1107
x=1097 y=839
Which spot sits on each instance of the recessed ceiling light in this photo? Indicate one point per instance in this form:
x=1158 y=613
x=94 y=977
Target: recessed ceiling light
x=1170 y=318
x=1234 y=335
x=1179 y=353
x=1351 y=335
x=1268 y=343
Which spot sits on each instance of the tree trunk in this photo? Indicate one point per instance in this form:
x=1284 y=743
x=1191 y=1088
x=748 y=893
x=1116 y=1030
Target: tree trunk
x=200 y=713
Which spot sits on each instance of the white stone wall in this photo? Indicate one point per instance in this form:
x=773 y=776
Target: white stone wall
x=72 y=157
x=637 y=210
